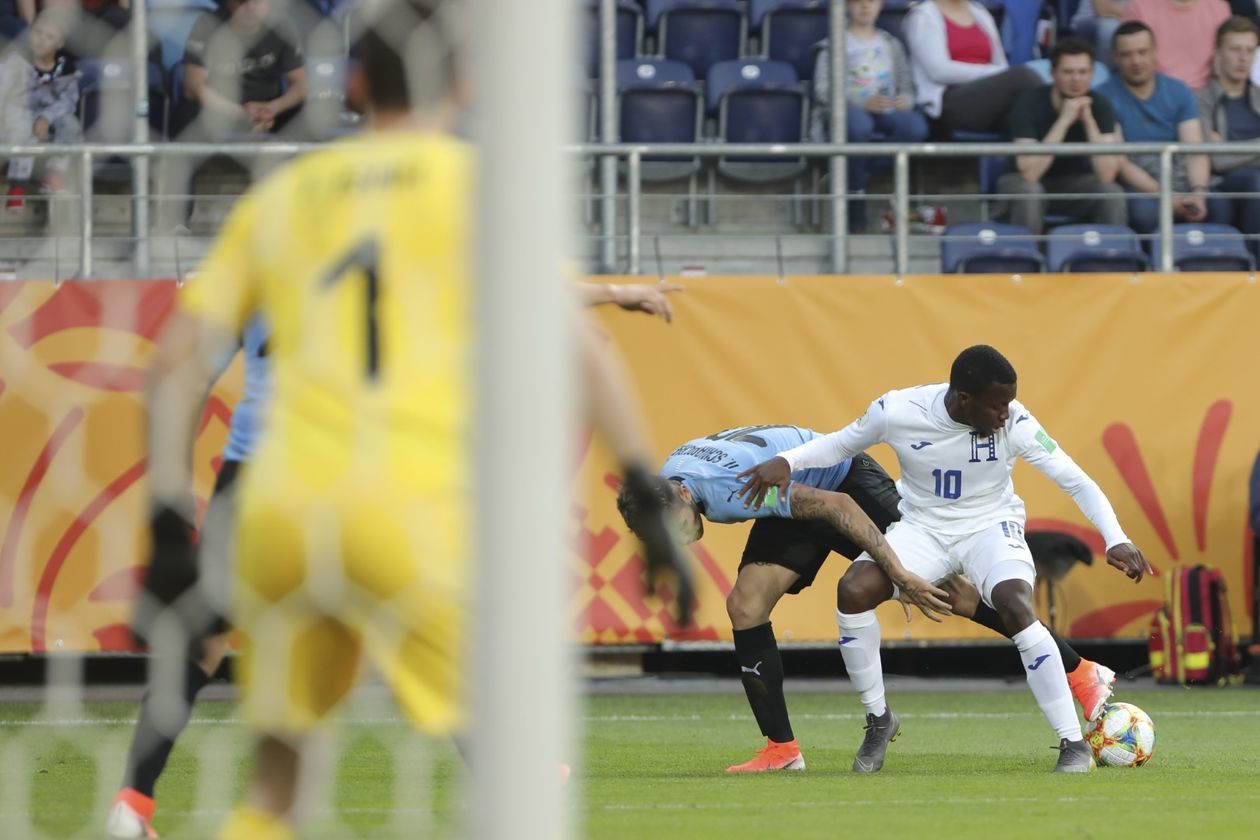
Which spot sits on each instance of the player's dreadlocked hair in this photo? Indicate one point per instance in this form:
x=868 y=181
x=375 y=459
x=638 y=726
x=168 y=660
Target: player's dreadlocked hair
x=978 y=367
x=408 y=50
x=645 y=498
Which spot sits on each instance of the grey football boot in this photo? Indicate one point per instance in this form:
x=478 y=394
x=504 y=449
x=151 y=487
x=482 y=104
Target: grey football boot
x=1074 y=757
x=881 y=731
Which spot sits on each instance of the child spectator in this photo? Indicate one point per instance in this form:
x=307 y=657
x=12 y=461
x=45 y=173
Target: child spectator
x=39 y=98
x=879 y=91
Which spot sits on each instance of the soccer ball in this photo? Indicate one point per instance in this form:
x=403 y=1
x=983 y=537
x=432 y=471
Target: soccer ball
x=1122 y=736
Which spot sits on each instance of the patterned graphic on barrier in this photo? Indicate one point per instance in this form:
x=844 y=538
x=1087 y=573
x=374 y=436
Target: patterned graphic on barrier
x=1145 y=399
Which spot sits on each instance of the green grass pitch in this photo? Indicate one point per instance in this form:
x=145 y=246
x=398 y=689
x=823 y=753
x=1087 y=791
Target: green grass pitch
x=969 y=764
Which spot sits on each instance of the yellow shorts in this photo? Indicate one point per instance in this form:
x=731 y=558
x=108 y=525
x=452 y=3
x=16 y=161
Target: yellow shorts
x=322 y=581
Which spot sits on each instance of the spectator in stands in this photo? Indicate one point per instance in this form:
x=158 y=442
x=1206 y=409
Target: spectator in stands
x=1064 y=111
x=243 y=72
x=1152 y=107
x=244 y=79
x=960 y=67
x=880 y=95
x=1230 y=109
x=1095 y=21
x=15 y=16
x=39 y=98
x=1184 y=30
x=99 y=24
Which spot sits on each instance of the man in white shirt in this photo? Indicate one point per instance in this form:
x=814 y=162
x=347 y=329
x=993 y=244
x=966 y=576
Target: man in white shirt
x=957 y=444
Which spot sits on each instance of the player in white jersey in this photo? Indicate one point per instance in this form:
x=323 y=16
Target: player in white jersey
x=957 y=444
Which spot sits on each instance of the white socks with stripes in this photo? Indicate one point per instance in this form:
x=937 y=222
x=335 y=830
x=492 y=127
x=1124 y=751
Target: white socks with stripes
x=1043 y=665
x=859 y=645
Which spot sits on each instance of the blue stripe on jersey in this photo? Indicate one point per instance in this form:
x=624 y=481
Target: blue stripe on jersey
x=247 y=417
x=708 y=467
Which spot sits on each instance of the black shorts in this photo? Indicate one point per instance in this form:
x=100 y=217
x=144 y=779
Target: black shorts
x=218 y=578
x=803 y=545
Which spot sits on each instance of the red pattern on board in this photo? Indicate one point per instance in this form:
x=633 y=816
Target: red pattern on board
x=139 y=307
x=1120 y=444
x=13 y=533
x=48 y=578
x=1211 y=436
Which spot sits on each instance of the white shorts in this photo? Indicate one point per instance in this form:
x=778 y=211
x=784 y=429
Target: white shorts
x=987 y=557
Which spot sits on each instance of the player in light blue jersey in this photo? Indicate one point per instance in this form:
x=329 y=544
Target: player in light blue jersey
x=794 y=531
x=166 y=707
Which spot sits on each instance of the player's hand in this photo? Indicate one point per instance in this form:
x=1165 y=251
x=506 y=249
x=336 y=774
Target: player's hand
x=1128 y=558
x=661 y=552
x=641 y=297
x=172 y=570
x=917 y=592
x=767 y=474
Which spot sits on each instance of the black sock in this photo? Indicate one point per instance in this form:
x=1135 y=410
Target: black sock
x=151 y=746
x=986 y=616
x=761 y=669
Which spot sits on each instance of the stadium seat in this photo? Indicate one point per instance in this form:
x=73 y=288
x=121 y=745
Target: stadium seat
x=172 y=21
x=757 y=112
x=106 y=100
x=629 y=34
x=1042 y=66
x=700 y=32
x=1093 y=248
x=892 y=16
x=1207 y=247
x=726 y=76
x=326 y=98
x=989 y=248
x=659 y=103
x=791 y=29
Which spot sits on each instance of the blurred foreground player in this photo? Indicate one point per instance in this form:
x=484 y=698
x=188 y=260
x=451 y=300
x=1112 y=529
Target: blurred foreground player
x=352 y=519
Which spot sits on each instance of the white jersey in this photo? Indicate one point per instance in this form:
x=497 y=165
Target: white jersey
x=955 y=481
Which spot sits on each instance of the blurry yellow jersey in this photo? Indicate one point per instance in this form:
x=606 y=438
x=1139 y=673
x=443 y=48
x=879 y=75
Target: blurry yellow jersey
x=357 y=258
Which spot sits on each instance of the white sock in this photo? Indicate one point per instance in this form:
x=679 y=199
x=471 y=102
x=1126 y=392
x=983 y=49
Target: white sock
x=1043 y=665
x=859 y=645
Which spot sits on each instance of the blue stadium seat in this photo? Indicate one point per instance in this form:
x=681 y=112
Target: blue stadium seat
x=892 y=16
x=700 y=32
x=106 y=101
x=790 y=31
x=651 y=72
x=726 y=76
x=172 y=21
x=659 y=103
x=1042 y=66
x=629 y=34
x=1091 y=248
x=1207 y=247
x=989 y=248
x=767 y=113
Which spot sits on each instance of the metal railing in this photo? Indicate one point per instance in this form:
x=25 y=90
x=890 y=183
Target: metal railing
x=635 y=155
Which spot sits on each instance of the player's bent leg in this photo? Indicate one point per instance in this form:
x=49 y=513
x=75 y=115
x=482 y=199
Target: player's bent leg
x=163 y=716
x=1091 y=682
x=758 y=588
x=1043 y=665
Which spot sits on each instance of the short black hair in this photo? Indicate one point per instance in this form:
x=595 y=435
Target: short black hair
x=979 y=367
x=1131 y=27
x=666 y=491
x=402 y=71
x=1070 y=46
x=1236 y=25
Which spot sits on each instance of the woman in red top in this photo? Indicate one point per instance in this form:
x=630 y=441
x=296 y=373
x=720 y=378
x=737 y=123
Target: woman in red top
x=960 y=66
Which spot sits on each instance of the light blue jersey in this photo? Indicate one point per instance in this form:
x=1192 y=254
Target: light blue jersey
x=247 y=418
x=708 y=466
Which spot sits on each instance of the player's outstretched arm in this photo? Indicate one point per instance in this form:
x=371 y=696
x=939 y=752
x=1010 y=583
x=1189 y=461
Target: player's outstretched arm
x=616 y=415
x=632 y=297
x=842 y=513
x=1129 y=559
x=189 y=358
